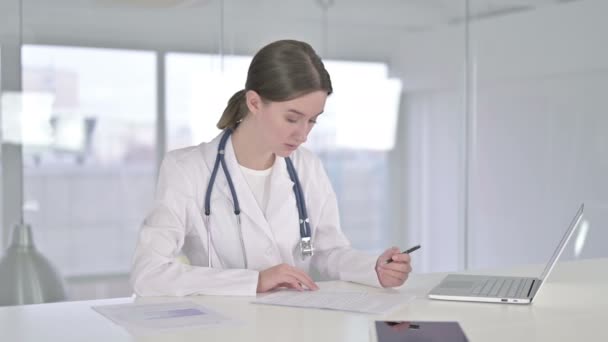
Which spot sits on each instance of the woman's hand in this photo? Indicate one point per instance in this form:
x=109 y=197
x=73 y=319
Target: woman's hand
x=284 y=275
x=395 y=273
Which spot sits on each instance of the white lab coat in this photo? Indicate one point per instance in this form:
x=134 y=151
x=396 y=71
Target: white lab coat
x=176 y=227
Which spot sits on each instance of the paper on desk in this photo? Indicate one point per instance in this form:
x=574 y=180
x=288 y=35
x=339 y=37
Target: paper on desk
x=160 y=317
x=366 y=302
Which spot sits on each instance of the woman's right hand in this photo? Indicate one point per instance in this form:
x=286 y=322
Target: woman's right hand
x=284 y=275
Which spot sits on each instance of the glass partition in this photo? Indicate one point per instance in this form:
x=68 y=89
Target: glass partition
x=118 y=83
x=90 y=157
x=539 y=144
x=88 y=153
x=472 y=127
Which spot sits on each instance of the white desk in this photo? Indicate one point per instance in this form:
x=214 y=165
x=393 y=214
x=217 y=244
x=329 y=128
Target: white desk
x=572 y=306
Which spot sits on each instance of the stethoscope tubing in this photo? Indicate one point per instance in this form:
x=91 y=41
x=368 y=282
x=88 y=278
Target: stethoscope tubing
x=300 y=202
x=304 y=225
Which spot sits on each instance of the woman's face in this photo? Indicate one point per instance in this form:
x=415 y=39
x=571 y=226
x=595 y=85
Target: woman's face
x=284 y=126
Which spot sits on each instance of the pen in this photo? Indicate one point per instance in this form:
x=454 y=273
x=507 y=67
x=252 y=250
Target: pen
x=407 y=251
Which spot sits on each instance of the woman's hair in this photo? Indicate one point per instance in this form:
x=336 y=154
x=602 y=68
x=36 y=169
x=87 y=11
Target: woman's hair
x=280 y=71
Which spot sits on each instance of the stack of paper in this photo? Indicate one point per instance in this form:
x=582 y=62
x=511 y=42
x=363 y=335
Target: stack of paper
x=144 y=319
x=376 y=303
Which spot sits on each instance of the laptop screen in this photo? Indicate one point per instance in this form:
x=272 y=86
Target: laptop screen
x=562 y=244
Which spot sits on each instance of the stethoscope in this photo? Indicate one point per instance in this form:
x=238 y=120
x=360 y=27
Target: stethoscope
x=305 y=232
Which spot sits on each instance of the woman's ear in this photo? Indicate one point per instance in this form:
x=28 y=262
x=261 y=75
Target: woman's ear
x=254 y=101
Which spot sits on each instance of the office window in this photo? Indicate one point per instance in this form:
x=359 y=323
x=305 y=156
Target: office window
x=89 y=153
x=198 y=87
x=353 y=137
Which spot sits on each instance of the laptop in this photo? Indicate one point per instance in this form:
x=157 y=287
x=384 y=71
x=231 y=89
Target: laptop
x=496 y=289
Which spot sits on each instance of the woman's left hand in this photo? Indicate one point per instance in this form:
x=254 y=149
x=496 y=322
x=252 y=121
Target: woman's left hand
x=395 y=273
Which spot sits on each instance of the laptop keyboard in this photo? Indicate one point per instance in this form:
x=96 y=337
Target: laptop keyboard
x=503 y=287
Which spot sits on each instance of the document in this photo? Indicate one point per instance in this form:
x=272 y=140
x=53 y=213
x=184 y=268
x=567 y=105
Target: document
x=365 y=302
x=145 y=319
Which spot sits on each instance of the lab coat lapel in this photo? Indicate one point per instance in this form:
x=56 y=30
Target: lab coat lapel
x=247 y=202
x=221 y=183
x=282 y=212
x=210 y=154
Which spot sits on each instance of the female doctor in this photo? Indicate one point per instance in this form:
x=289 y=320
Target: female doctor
x=252 y=210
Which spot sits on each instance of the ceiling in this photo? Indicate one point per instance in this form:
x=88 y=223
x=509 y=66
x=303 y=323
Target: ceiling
x=408 y=15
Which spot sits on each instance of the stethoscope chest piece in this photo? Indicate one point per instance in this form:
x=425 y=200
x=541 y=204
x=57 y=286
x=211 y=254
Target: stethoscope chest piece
x=306 y=247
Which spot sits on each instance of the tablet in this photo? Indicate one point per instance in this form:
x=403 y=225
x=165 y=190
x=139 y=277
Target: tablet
x=410 y=331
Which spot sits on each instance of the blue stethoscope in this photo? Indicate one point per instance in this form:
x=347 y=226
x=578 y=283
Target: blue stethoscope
x=305 y=232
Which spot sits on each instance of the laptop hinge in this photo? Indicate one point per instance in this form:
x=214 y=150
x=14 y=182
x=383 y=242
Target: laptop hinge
x=531 y=287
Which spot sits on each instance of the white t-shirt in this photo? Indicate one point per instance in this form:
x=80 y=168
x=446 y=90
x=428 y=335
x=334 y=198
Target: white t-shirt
x=259 y=183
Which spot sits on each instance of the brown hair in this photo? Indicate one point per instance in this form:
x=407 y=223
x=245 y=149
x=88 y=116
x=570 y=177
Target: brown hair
x=280 y=71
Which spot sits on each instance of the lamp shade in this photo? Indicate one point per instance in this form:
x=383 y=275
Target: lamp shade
x=26 y=276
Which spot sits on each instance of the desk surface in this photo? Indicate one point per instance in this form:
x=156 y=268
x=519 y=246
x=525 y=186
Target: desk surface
x=572 y=306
